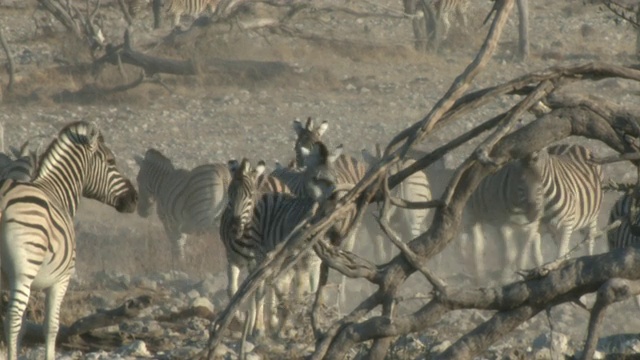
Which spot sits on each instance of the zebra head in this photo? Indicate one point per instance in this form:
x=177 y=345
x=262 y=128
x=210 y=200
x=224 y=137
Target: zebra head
x=308 y=137
x=242 y=194
x=78 y=162
x=153 y=167
x=321 y=176
x=104 y=182
x=530 y=175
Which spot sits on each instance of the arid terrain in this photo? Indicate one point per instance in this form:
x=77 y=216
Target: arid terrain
x=359 y=73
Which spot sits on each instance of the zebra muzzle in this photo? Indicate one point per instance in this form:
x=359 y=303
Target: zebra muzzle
x=127 y=202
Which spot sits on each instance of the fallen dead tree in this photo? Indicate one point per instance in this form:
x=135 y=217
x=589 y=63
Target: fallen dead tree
x=513 y=304
x=79 y=334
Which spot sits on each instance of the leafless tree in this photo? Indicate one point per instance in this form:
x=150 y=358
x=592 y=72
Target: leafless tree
x=628 y=11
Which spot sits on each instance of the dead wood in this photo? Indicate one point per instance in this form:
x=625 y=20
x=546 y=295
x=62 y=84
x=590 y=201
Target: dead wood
x=78 y=335
x=612 y=291
x=10 y=63
x=90 y=92
x=150 y=64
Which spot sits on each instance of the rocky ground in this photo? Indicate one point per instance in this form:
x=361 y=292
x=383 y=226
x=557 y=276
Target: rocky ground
x=367 y=82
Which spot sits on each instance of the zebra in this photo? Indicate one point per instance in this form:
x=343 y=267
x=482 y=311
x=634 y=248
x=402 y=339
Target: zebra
x=263 y=183
x=254 y=223
x=23 y=167
x=190 y=7
x=444 y=8
x=556 y=190
x=414 y=188
x=37 y=236
x=348 y=169
x=627 y=233
x=187 y=201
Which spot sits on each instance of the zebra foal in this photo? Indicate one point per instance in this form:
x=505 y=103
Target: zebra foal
x=254 y=223
x=187 y=201
x=37 y=238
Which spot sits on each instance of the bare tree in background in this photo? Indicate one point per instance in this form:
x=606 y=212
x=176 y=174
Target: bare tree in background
x=628 y=11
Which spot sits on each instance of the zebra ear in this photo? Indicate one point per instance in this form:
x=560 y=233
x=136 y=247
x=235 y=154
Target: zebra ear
x=233 y=165
x=139 y=160
x=260 y=168
x=93 y=136
x=368 y=157
x=322 y=128
x=309 y=125
x=297 y=126
x=245 y=167
x=336 y=154
x=15 y=152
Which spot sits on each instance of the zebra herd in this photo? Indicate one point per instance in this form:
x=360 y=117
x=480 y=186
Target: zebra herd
x=556 y=190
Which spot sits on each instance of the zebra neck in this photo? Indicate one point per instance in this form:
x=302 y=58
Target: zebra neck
x=61 y=176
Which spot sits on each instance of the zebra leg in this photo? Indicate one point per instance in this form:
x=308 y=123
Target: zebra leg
x=533 y=240
x=510 y=251
x=233 y=274
x=478 y=251
x=281 y=300
x=564 y=236
x=591 y=237
x=319 y=301
x=182 y=240
x=258 y=312
x=14 y=315
x=53 y=301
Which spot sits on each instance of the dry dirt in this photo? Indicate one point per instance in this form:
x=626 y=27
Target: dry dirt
x=362 y=76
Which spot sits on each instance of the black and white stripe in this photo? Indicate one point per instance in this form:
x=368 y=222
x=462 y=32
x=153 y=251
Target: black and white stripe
x=187 y=201
x=443 y=10
x=22 y=167
x=414 y=188
x=557 y=190
x=193 y=8
x=254 y=223
x=627 y=210
x=37 y=236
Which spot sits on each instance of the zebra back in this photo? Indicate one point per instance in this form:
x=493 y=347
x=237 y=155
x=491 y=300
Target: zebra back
x=187 y=201
x=627 y=210
x=571 y=182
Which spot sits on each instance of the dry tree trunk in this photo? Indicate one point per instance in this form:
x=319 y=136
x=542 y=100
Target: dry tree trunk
x=523 y=29
x=11 y=66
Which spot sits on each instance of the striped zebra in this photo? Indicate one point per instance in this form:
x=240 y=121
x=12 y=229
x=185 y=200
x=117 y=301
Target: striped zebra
x=414 y=188
x=22 y=167
x=263 y=183
x=37 y=236
x=556 y=190
x=348 y=169
x=443 y=8
x=187 y=201
x=254 y=223
x=627 y=210
x=189 y=7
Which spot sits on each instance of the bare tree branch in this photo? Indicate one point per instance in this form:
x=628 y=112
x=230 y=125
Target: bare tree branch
x=11 y=65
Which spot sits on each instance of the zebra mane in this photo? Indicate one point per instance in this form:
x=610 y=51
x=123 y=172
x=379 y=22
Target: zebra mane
x=81 y=133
